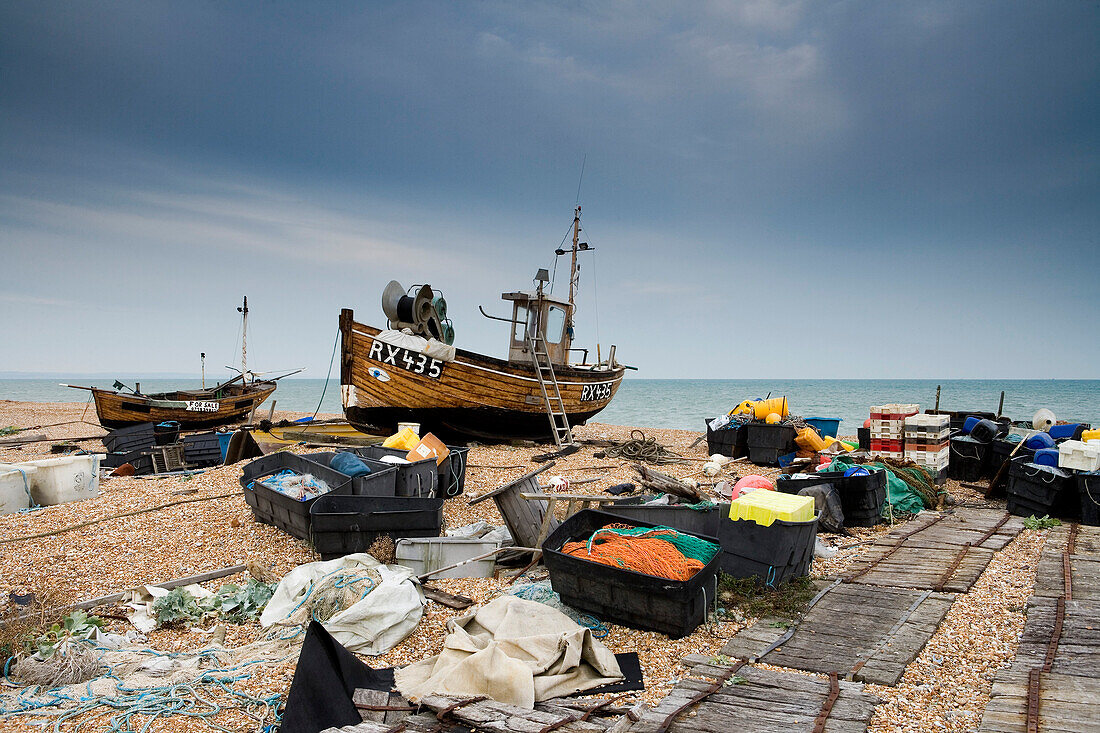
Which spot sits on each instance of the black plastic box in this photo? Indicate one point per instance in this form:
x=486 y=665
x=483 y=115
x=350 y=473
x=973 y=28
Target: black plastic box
x=1039 y=490
x=776 y=436
x=381 y=481
x=1088 y=493
x=999 y=451
x=968 y=459
x=728 y=440
x=417 y=478
x=202 y=450
x=864 y=435
x=861 y=497
x=703 y=523
x=773 y=554
x=452 y=471
x=342 y=525
x=134 y=437
x=272 y=507
x=672 y=607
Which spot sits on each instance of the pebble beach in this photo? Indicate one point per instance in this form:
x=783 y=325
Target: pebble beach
x=184 y=525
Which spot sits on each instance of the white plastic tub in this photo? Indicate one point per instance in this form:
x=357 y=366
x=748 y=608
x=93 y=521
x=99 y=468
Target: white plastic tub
x=62 y=480
x=15 y=484
x=1079 y=456
x=426 y=554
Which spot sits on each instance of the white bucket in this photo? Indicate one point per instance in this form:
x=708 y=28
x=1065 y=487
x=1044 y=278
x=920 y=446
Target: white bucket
x=15 y=484
x=62 y=480
x=413 y=426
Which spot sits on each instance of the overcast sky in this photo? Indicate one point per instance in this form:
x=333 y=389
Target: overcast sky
x=784 y=190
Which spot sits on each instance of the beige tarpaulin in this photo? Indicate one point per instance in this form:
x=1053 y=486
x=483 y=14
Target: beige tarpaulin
x=514 y=651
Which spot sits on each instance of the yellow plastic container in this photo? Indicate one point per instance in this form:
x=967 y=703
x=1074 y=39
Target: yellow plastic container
x=766 y=407
x=764 y=507
x=404 y=439
x=745 y=408
x=809 y=439
x=1090 y=435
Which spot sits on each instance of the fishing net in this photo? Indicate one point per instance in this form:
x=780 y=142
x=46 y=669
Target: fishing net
x=332 y=594
x=542 y=592
x=659 y=551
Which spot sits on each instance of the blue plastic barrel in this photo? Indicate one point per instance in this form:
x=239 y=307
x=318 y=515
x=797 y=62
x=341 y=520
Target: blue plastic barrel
x=970 y=423
x=1059 y=432
x=1046 y=457
x=1039 y=441
x=827 y=426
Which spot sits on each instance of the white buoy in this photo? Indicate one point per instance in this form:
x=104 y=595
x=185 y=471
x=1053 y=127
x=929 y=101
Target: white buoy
x=1043 y=419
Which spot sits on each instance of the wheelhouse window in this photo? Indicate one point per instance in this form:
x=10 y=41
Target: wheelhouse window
x=520 y=324
x=555 y=324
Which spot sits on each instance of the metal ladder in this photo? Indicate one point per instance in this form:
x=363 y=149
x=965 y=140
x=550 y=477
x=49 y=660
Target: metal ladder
x=551 y=398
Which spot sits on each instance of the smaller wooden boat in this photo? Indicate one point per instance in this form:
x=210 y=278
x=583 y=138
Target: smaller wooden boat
x=222 y=404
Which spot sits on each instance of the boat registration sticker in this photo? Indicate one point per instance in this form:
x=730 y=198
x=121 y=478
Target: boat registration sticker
x=202 y=406
x=410 y=361
x=379 y=373
x=596 y=392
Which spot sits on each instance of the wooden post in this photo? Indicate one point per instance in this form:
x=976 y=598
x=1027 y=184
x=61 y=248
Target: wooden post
x=1001 y=407
x=937 y=399
x=271 y=412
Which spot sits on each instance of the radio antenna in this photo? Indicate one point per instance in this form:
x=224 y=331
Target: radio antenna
x=581 y=179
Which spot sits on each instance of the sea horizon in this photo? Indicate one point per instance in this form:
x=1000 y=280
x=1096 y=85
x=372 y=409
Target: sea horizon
x=669 y=403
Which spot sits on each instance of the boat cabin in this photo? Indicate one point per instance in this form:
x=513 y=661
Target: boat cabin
x=539 y=313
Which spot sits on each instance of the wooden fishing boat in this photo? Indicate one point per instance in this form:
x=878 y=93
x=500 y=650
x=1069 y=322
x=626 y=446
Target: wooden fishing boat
x=222 y=404
x=536 y=393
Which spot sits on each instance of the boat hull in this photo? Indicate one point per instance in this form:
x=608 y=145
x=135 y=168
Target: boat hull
x=474 y=397
x=191 y=410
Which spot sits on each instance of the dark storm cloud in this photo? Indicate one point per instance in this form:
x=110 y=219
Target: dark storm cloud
x=928 y=152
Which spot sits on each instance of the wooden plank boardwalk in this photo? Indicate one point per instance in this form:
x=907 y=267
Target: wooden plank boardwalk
x=939 y=552
x=863 y=633
x=1052 y=683
x=750 y=698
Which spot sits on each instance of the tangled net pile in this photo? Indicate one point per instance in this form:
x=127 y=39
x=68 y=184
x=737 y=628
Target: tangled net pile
x=333 y=593
x=541 y=592
x=659 y=551
x=641 y=448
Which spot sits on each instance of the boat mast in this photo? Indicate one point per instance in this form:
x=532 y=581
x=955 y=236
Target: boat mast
x=243 y=310
x=573 y=264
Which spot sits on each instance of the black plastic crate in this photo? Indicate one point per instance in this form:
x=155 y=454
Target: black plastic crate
x=417 y=478
x=272 y=507
x=672 y=607
x=776 y=436
x=766 y=456
x=703 y=523
x=773 y=554
x=861 y=497
x=130 y=438
x=864 y=435
x=968 y=459
x=381 y=481
x=1088 y=494
x=728 y=440
x=999 y=451
x=1034 y=488
x=452 y=471
x=958 y=417
x=342 y=525
x=202 y=450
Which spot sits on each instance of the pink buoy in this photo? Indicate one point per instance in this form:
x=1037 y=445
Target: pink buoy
x=748 y=483
x=867 y=423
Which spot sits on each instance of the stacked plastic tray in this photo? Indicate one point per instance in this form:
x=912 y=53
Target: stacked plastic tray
x=927 y=443
x=888 y=428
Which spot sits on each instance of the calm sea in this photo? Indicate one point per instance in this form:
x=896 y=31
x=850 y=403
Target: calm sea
x=684 y=403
